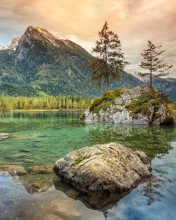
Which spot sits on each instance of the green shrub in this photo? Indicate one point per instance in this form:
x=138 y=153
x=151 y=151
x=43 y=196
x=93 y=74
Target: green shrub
x=111 y=95
x=82 y=117
x=147 y=100
x=105 y=101
x=95 y=103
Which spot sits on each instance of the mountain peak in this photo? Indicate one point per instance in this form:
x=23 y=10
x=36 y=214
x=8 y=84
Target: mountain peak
x=30 y=28
x=33 y=35
x=39 y=32
x=45 y=32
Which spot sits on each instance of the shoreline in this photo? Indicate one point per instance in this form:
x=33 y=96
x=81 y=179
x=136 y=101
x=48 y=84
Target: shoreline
x=43 y=110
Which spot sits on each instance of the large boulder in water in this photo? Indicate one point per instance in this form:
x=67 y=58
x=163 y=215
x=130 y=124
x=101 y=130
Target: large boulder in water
x=105 y=169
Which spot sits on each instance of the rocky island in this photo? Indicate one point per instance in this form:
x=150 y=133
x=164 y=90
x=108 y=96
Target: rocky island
x=139 y=105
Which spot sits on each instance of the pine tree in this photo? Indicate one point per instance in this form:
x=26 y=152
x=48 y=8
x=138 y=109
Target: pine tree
x=107 y=66
x=153 y=62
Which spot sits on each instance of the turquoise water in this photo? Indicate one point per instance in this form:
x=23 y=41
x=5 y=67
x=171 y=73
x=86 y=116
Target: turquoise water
x=41 y=138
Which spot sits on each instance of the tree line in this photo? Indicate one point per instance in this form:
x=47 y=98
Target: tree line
x=43 y=103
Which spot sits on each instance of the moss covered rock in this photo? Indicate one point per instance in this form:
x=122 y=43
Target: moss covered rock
x=135 y=106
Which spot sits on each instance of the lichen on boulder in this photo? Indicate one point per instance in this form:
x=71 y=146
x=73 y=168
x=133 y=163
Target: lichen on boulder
x=140 y=105
x=107 y=169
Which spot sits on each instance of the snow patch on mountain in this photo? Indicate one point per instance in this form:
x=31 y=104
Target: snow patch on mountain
x=11 y=45
x=135 y=73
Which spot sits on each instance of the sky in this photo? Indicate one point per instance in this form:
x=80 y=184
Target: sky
x=135 y=22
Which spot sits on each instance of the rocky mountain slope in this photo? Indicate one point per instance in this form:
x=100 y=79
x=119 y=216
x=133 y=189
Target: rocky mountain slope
x=167 y=85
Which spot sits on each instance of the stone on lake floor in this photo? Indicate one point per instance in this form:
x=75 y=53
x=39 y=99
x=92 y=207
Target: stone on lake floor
x=105 y=170
x=12 y=169
x=40 y=169
x=25 y=151
x=55 y=205
x=4 y=135
x=35 y=179
x=36 y=183
x=25 y=158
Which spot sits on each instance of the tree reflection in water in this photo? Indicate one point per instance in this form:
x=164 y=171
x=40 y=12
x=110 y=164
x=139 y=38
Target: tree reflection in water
x=154 y=141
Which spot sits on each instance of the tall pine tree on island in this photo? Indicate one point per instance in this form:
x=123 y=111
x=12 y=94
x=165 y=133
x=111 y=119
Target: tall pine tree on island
x=110 y=60
x=153 y=62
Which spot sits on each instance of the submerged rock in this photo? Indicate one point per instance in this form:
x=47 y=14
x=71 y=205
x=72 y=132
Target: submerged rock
x=139 y=105
x=40 y=169
x=13 y=170
x=27 y=158
x=4 y=135
x=108 y=169
x=36 y=183
x=38 y=179
x=53 y=205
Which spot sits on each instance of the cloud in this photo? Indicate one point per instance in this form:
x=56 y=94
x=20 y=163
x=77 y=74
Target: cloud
x=135 y=21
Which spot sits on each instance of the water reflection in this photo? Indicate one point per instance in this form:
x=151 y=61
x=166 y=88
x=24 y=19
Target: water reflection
x=40 y=114
x=15 y=121
x=35 y=183
x=40 y=138
x=154 y=141
x=154 y=200
x=16 y=203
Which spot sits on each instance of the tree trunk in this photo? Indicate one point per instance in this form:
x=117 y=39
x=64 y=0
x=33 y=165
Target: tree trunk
x=150 y=80
x=107 y=83
x=151 y=71
x=106 y=77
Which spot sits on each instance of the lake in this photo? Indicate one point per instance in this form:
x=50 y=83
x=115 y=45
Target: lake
x=41 y=138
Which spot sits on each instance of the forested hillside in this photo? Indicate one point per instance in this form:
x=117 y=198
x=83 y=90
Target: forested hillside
x=44 y=63
x=167 y=86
